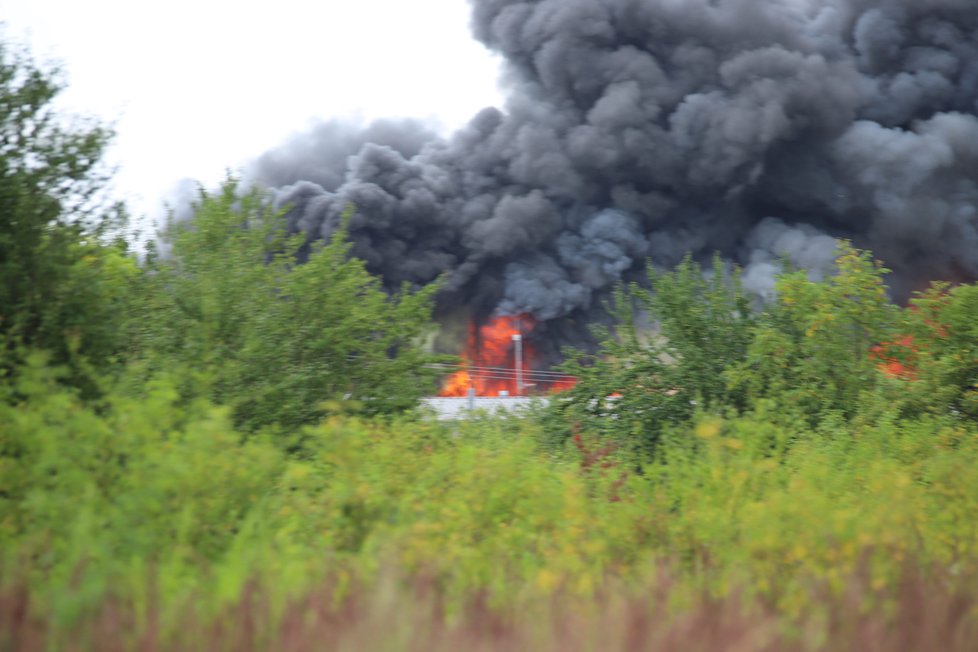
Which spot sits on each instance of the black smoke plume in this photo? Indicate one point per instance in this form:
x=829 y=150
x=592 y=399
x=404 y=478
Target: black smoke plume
x=643 y=129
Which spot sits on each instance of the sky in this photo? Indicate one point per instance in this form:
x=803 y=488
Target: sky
x=198 y=87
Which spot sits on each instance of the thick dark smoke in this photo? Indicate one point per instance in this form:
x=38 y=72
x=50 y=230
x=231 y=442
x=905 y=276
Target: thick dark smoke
x=643 y=129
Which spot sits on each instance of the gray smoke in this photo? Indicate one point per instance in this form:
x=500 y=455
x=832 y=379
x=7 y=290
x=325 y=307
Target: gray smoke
x=643 y=129
x=320 y=154
x=772 y=243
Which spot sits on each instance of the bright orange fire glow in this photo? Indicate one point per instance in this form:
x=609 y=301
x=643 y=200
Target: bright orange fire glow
x=887 y=362
x=489 y=361
x=491 y=346
x=901 y=357
x=561 y=385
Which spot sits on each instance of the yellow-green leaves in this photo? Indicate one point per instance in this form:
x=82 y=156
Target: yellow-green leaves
x=812 y=350
x=285 y=327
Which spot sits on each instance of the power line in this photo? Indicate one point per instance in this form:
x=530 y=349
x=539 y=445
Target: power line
x=501 y=370
x=510 y=376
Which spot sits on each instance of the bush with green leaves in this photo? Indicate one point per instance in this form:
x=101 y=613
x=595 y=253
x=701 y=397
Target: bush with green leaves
x=812 y=350
x=134 y=480
x=252 y=328
x=644 y=379
x=61 y=287
x=939 y=352
x=151 y=500
x=820 y=351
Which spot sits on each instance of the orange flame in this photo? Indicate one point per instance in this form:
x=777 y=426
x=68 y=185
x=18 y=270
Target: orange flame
x=489 y=360
x=561 y=385
x=900 y=357
x=886 y=357
x=490 y=346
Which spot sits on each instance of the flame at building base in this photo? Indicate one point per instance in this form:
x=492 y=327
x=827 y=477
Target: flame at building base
x=498 y=358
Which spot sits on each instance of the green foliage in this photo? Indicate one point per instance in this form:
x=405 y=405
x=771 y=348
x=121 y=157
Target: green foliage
x=642 y=381
x=811 y=351
x=275 y=339
x=138 y=479
x=814 y=354
x=940 y=352
x=92 y=500
x=478 y=514
x=60 y=287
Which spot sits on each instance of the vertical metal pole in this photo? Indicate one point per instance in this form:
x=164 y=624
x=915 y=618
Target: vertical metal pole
x=518 y=346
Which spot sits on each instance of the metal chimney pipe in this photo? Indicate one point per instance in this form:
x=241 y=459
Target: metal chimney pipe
x=518 y=348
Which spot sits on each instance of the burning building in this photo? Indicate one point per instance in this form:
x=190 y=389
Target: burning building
x=499 y=360
x=639 y=130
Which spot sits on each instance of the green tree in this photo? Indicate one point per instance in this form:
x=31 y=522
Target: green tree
x=275 y=339
x=939 y=352
x=59 y=285
x=645 y=379
x=812 y=352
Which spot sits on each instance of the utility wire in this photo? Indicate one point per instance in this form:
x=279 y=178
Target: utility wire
x=501 y=370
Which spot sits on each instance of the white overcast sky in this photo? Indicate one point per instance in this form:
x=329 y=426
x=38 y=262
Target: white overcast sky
x=196 y=87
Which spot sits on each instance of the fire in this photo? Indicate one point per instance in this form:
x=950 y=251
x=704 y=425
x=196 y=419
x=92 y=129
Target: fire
x=489 y=358
x=490 y=361
x=562 y=384
x=887 y=356
x=900 y=357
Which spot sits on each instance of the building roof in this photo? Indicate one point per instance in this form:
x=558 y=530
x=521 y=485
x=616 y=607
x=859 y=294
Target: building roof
x=449 y=409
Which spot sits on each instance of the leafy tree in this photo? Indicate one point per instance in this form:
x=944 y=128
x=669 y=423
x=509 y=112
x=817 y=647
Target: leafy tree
x=940 y=353
x=812 y=349
x=276 y=339
x=643 y=380
x=59 y=285
x=811 y=354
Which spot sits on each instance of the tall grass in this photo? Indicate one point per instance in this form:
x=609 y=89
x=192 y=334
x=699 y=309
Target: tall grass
x=922 y=614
